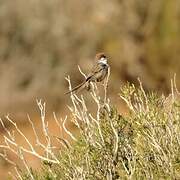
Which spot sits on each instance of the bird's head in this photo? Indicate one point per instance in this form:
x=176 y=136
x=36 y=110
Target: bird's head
x=101 y=58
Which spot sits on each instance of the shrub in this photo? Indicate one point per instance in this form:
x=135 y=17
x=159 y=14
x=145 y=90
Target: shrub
x=145 y=144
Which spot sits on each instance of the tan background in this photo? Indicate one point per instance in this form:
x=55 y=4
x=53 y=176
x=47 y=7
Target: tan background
x=42 y=41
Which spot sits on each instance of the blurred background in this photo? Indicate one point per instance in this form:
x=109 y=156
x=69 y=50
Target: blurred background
x=42 y=41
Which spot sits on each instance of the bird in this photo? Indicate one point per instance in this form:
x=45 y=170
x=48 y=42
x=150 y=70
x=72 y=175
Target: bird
x=97 y=74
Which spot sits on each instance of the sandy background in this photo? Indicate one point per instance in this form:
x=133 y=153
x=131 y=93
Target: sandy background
x=42 y=41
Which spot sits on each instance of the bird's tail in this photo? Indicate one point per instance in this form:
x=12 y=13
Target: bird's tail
x=77 y=87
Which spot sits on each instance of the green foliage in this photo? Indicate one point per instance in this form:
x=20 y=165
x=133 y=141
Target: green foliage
x=143 y=145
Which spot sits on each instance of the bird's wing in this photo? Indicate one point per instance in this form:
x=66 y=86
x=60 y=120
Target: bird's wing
x=96 y=69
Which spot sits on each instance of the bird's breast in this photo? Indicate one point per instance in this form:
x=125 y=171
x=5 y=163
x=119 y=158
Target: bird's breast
x=102 y=74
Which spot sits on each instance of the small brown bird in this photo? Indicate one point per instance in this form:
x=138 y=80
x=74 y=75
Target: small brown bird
x=97 y=74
